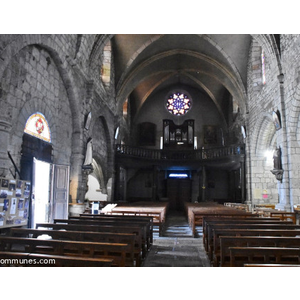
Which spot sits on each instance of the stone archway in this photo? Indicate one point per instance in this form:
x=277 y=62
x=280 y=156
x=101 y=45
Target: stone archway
x=262 y=180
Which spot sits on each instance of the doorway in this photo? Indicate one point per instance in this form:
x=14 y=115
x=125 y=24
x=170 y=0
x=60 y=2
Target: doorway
x=50 y=182
x=40 y=205
x=178 y=192
x=36 y=161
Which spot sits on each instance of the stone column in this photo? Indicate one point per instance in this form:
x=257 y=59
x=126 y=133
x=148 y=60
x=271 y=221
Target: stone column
x=155 y=183
x=282 y=140
x=5 y=163
x=116 y=183
x=243 y=182
x=203 y=185
x=77 y=186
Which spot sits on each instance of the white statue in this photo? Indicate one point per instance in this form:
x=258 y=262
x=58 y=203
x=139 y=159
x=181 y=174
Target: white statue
x=89 y=153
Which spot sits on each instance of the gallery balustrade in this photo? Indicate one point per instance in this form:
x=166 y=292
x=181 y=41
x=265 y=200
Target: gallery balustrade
x=199 y=154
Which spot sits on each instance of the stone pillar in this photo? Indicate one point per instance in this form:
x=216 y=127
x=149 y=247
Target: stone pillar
x=203 y=185
x=243 y=182
x=155 y=183
x=116 y=183
x=77 y=187
x=5 y=163
x=284 y=187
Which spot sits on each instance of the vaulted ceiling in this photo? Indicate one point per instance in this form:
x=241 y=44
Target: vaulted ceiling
x=212 y=63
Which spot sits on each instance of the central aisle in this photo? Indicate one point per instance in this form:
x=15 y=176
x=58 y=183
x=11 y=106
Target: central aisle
x=177 y=248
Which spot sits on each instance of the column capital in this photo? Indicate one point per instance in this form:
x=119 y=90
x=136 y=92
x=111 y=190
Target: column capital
x=5 y=126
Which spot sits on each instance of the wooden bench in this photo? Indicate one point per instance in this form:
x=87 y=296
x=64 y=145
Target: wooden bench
x=270 y=265
x=213 y=243
x=158 y=217
x=222 y=258
x=157 y=210
x=103 y=228
x=133 y=257
x=198 y=217
x=196 y=213
x=144 y=228
x=147 y=221
x=208 y=235
x=208 y=224
x=22 y=259
x=266 y=255
x=115 y=251
x=207 y=220
x=283 y=215
x=251 y=232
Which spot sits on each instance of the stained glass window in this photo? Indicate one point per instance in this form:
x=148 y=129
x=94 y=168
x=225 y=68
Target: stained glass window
x=178 y=104
x=37 y=126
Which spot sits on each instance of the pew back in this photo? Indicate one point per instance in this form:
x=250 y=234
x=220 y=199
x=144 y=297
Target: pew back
x=145 y=228
x=134 y=257
x=209 y=225
x=223 y=259
x=266 y=255
x=23 y=259
x=140 y=239
x=252 y=232
x=115 y=251
x=213 y=243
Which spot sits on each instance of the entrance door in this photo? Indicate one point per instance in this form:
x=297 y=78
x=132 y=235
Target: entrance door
x=50 y=192
x=60 y=192
x=179 y=191
x=40 y=204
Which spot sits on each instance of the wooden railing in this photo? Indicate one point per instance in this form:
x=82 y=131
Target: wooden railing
x=201 y=154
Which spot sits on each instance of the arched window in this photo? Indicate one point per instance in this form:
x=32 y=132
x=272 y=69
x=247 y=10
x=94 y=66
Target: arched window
x=38 y=127
x=178 y=104
x=106 y=64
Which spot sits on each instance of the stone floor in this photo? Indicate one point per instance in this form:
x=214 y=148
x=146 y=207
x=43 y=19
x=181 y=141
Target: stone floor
x=177 y=247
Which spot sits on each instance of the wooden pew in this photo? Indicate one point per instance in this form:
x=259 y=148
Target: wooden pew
x=270 y=265
x=222 y=258
x=23 y=259
x=133 y=257
x=213 y=243
x=252 y=232
x=209 y=222
x=284 y=215
x=196 y=213
x=115 y=251
x=197 y=219
x=221 y=219
x=210 y=225
x=157 y=210
x=103 y=228
x=147 y=221
x=266 y=255
x=146 y=239
x=158 y=217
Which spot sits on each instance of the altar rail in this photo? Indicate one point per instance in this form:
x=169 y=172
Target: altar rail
x=201 y=154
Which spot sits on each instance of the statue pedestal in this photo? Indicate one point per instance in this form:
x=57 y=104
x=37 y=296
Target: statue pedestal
x=278 y=174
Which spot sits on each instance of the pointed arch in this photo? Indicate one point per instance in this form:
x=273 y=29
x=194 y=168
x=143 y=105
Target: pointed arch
x=265 y=134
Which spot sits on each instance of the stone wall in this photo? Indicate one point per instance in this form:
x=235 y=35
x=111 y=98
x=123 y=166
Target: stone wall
x=52 y=74
x=279 y=93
